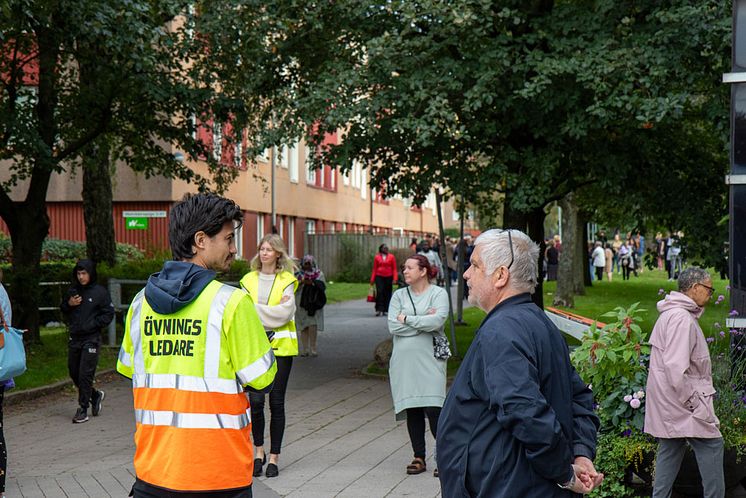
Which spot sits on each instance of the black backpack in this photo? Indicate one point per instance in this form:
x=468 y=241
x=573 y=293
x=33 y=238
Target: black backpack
x=313 y=297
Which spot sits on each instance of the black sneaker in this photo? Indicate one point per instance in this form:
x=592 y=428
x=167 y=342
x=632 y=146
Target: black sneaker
x=80 y=416
x=96 y=400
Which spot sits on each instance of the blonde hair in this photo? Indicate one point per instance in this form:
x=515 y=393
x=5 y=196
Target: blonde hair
x=284 y=262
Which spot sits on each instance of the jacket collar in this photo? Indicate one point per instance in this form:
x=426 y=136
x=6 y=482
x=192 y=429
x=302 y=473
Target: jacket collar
x=511 y=301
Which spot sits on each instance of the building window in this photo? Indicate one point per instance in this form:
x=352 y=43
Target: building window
x=291 y=236
x=259 y=227
x=217 y=141
x=310 y=227
x=344 y=227
x=293 y=163
x=238 y=153
x=311 y=175
x=239 y=242
x=363 y=183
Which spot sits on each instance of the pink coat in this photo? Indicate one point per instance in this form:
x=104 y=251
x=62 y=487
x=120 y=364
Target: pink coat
x=678 y=402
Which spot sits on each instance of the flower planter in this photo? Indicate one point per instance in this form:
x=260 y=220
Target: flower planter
x=689 y=482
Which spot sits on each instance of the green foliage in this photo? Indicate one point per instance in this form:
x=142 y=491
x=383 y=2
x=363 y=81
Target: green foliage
x=616 y=455
x=619 y=410
x=354 y=263
x=612 y=353
x=68 y=250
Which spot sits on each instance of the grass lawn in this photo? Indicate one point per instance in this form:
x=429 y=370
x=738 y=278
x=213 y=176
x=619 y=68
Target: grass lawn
x=47 y=363
x=344 y=291
x=604 y=296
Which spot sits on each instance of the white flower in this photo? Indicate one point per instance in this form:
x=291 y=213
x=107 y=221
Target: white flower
x=628 y=398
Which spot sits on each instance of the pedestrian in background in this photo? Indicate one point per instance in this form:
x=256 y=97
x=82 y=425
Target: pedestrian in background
x=609 y=254
x=552 y=259
x=384 y=276
x=310 y=299
x=417 y=315
x=87 y=307
x=271 y=283
x=6 y=319
x=598 y=257
x=679 y=399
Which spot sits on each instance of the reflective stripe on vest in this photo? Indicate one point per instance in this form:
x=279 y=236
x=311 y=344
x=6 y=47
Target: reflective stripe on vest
x=186 y=383
x=285 y=340
x=256 y=369
x=193 y=420
x=177 y=415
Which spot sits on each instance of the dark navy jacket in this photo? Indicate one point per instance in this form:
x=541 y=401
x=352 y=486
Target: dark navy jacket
x=518 y=413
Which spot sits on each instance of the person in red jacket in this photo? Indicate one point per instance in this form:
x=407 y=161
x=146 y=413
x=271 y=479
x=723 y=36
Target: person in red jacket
x=384 y=276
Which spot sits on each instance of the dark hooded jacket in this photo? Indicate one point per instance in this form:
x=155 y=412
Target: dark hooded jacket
x=517 y=414
x=176 y=285
x=95 y=311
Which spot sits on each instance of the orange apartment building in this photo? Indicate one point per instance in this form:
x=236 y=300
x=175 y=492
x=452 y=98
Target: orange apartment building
x=321 y=201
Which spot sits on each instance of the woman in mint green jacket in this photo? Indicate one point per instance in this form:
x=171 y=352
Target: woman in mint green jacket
x=416 y=316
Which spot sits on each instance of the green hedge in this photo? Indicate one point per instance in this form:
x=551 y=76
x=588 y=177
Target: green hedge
x=67 y=250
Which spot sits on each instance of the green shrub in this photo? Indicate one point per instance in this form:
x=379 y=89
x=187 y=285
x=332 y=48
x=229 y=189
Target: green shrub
x=355 y=263
x=67 y=250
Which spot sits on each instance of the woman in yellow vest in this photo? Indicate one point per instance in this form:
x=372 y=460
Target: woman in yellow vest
x=272 y=284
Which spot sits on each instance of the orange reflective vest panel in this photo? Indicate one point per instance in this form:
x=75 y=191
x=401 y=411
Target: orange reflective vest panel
x=192 y=416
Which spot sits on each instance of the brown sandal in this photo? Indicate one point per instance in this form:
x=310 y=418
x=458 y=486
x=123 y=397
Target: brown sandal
x=417 y=466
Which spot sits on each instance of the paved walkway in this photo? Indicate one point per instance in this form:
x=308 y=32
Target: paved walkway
x=341 y=437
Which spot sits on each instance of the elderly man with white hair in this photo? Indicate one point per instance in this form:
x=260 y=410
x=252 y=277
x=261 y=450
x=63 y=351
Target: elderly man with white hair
x=518 y=420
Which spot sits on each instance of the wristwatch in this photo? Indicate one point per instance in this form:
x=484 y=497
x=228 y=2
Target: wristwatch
x=569 y=484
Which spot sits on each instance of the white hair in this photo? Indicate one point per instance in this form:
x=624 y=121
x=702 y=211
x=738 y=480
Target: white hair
x=495 y=253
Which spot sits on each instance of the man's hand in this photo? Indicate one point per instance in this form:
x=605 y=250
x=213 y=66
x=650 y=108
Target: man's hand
x=583 y=482
x=75 y=300
x=586 y=466
x=431 y=311
x=284 y=299
x=401 y=317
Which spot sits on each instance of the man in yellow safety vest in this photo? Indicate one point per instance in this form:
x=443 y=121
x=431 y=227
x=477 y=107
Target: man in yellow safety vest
x=191 y=346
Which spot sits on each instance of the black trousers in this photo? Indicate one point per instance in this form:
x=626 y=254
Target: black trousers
x=599 y=272
x=416 y=427
x=3 y=451
x=384 y=288
x=276 y=408
x=82 y=360
x=142 y=489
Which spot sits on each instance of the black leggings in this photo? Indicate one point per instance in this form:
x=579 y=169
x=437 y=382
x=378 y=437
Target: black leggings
x=416 y=427
x=3 y=452
x=276 y=407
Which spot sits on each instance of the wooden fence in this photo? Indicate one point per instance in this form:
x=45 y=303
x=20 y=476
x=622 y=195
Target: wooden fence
x=333 y=250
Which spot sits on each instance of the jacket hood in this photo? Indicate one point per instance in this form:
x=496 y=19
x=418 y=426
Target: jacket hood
x=90 y=267
x=176 y=285
x=677 y=300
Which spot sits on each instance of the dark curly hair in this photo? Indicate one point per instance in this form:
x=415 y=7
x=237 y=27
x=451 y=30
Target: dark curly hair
x=198 y=213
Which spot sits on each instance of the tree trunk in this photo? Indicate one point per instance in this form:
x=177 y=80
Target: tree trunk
x=447 y=282
x=565 y=293
x=583 y=277
x=512 y=218
x=97 y=204
x=536 y=231
x=461 y=247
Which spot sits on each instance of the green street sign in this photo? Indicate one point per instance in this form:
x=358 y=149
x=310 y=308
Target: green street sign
x=136 y=223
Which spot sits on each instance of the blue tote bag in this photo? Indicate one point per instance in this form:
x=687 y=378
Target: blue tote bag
x=12 y=354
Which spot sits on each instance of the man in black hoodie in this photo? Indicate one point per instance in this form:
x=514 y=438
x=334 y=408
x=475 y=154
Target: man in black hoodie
x=88 y=309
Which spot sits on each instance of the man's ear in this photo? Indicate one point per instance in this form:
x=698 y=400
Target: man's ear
x=200 y=240
x=500 y=278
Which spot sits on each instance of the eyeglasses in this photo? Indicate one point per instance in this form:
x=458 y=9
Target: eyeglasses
x=710 y=290
x=510 y=243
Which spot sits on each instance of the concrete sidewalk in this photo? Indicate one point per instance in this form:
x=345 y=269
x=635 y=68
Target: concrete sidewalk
x=341 y=437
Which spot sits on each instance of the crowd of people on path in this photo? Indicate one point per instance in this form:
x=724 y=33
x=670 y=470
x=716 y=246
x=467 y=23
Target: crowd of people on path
x=517 y=421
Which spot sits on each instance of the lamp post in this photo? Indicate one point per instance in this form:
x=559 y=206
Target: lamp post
x=736 y=180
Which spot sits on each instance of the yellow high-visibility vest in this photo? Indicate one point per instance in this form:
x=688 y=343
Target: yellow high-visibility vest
x=188 y=369
x=285 y=340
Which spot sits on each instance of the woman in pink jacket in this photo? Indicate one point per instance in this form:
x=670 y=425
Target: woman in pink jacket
x=679 y=407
